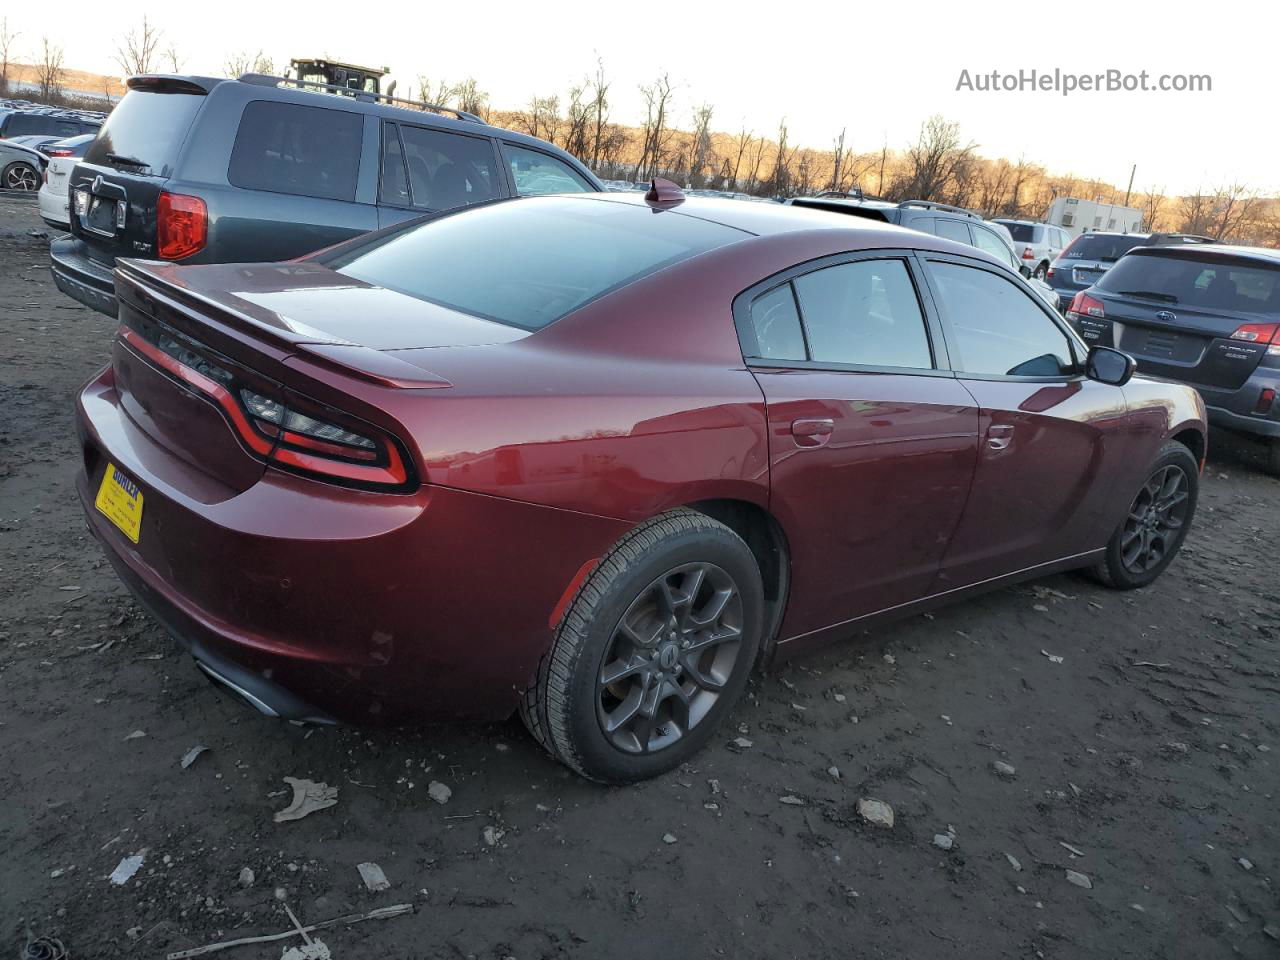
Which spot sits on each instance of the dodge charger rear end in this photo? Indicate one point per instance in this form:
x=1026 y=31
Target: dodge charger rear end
x=593 y=458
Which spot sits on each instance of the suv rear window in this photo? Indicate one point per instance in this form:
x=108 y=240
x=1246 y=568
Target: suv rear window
x=1021 y=232
x=1209 y=284
x=528 y=263
x=306 y=151
x=1091 y=246
x=148 y=127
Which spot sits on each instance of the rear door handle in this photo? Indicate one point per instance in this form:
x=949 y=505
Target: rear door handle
x=999 y=436
x=812 y=433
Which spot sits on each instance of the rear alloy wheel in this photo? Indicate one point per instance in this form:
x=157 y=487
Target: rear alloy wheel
x=20 y=176
x=654 y=650
x=1156 y=523
x=1041 y=271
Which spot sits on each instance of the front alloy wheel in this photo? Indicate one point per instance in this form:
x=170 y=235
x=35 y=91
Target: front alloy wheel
x=21 y=176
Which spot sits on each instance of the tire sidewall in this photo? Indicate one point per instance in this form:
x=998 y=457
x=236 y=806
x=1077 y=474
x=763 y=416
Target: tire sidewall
x=1173 y=454
x=713 y=544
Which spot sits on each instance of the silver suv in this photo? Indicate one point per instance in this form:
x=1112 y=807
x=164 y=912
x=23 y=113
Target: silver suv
x=1036 y=244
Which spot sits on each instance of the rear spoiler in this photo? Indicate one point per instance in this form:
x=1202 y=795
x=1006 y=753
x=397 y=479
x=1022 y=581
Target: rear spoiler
x=139 y=285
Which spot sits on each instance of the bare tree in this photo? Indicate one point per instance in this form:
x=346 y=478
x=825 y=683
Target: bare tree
x=599 y=111
x=701 y=154
x=7 y=39
x=935 y=162
x=471 y=98
x=657 y=99
x=244 y=62
x=780 y=182
x=1151 y=205
x=136 y=52
x=542 y=118
x=837 y=174
x=49 y=70
x=175 y=61
x=577 y=134
x=757 y=160
x=439 y=93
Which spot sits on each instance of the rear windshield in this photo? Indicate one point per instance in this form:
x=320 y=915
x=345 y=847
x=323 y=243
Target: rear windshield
x=143 y=134
x=1093 y=246
x=1204 y=284
x=529 y=262
x=1021 y=232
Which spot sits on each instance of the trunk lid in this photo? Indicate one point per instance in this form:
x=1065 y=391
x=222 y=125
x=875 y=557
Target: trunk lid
x=126 y=167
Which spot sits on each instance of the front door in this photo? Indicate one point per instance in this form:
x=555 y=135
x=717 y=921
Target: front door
x=871 y=442
x=1051 y=440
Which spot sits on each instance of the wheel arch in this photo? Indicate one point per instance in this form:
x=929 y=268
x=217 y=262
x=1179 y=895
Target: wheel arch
x=1192 y=437
x=767 y=540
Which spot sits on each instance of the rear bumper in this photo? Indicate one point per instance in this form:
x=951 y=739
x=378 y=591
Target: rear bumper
x=80 y=277
x=1255 y=425
x=321 y=602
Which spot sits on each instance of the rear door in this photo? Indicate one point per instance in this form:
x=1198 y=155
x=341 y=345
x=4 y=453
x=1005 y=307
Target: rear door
x=429 y=170
x=1204 y=320
x=1052 y=441
x=127 y=166
x=871 y=441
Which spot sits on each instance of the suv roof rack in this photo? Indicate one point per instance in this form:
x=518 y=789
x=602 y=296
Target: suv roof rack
x=932 y=205
x=266 y=80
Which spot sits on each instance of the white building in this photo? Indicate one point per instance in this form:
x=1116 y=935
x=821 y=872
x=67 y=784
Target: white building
x=1085 y=216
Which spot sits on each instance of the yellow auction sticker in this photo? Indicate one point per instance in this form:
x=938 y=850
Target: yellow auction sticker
x=120 y=501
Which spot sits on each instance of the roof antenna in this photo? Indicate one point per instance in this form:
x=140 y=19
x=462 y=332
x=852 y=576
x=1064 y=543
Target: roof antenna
x=662 y=190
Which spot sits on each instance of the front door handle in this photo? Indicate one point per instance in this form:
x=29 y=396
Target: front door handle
x=999 y=436
x=812 y=433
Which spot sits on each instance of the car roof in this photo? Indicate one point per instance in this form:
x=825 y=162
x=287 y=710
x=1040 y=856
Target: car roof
x=1210 y=251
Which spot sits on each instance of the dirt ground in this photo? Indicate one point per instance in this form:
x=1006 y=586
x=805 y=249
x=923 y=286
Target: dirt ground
x=1145 y=759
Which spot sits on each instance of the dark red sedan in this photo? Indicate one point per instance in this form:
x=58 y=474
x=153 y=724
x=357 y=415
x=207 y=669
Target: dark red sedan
x=593 y=458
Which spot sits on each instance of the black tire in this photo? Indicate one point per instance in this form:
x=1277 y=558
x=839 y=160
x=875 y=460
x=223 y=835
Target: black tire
x=1150 y=519
x=1041 y=271
x=20 y=176
x=567 y=707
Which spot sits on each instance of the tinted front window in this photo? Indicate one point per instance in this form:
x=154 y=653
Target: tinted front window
x=1205 y=284
x=864 y=313
x=776 y=325
x=998 y=328
x=1090 y=246
x=537 y=174
x=147 y=127
x=447 y=170
x=307 y=151
x=531 y=262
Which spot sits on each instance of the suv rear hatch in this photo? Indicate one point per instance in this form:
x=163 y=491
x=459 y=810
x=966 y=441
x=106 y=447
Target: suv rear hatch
x=115 y=189
x=1188 y=314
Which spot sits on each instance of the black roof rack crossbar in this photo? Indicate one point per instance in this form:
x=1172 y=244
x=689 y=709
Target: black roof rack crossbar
x=266 y=80
x=932 y=205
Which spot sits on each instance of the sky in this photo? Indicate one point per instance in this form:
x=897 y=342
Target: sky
x=878 y=70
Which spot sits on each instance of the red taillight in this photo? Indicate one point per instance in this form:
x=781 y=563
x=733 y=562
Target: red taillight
x=182 y=225
x=1049 y=272
x=59 y=152
x=1256 y=332
x=1265 y=399
x=1083 y=305
x=1028 y=254
x=283 y=434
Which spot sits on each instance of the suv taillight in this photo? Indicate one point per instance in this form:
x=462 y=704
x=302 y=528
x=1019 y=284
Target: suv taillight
x=1256 y=332
x=1028 y=254
x=1083 y=305
x=182 y=225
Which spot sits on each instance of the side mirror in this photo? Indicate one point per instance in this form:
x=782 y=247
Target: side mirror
x=1025 y=271
x=1109 y=366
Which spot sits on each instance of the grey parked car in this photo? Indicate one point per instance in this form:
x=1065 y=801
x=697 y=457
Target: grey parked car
x=21 y=166
x=1205 y=315
x=201 y=170
x=1090 y=255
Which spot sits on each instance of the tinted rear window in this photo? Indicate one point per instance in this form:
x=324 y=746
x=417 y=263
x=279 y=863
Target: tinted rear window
x=1204 y=284
x=1091 y=246
x=530 y=262
x=35 y=124
x=1021 y=232
x=307 y=151
x=148 y=127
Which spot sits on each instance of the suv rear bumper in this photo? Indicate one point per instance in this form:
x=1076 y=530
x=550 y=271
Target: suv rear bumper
x=1237 y=410
x=80 y=277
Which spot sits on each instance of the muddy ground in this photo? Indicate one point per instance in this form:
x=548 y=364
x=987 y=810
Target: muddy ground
x=1151 y=749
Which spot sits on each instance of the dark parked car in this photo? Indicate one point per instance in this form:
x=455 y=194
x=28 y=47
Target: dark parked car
x=593 y=457
x=1204 y=315
x=21 y=166
x=197 y=170
x=1090 y=255
x=48 y=122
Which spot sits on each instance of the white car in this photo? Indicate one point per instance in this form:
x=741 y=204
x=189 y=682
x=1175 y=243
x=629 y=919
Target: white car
x=1036 y=244
x=54 y=192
